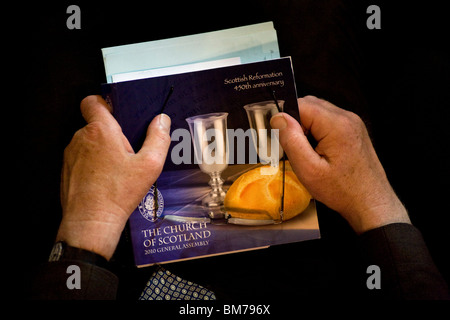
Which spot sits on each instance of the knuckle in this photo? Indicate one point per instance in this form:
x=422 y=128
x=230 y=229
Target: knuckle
x=351 y=122
x=159 y=132
x=355 y=119
x=153 y=162
x=96 y=131
x=94 y=128
x=164 y=137
x=290 y=140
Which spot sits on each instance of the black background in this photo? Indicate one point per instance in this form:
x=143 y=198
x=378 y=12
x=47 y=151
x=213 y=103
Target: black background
x=397 y=79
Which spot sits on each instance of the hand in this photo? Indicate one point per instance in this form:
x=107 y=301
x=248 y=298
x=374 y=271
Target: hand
x=343 y=171
x=103 y=179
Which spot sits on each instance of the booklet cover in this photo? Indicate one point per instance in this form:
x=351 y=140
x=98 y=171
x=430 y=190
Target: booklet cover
x=226 y=185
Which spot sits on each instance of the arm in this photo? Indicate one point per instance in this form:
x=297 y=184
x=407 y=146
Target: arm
x=95 y=283
x=102 y=182
x=407 y=269
x=344 y=172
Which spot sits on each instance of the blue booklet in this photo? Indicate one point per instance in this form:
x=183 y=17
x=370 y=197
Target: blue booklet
x=226 y=185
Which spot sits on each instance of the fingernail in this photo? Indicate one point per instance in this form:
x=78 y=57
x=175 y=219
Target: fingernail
x=278 y=121
x=165 y=122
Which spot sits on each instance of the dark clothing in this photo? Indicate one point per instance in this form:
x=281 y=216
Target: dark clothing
x=96 y=283
x=407 y=271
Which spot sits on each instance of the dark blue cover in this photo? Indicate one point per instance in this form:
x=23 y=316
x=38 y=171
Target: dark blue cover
x=135 y=103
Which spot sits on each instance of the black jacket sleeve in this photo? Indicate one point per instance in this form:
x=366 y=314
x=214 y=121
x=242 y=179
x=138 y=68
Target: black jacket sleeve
x=406 y=267
x=95 y=283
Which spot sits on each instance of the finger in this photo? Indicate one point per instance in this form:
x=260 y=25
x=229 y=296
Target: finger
x=94 y=108
x=314 y=116
x=319 y=116
x=157 y=141
x=302 y=156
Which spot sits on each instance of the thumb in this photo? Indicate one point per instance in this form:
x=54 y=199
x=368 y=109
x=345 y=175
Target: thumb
x=157 y=142
x=302 y=157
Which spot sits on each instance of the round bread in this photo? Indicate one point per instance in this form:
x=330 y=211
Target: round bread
x=257 y=194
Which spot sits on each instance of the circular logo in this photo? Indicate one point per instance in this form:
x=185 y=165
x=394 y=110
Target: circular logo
x=152 y=206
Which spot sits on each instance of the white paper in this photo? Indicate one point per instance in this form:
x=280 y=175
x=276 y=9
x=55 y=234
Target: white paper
x=175 y=70
x=252 y=43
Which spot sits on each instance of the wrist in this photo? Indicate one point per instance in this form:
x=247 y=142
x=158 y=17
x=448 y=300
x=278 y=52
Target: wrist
x=98 y=237
x=384 y=214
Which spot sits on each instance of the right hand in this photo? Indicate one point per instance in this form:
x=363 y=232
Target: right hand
x=103 y=179
x=343 y=171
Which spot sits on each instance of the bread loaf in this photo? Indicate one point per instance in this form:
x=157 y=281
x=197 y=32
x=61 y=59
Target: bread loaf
x=257 y=195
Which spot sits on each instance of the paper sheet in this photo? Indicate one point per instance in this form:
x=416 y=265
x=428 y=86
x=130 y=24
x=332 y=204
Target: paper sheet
x=252 y=43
